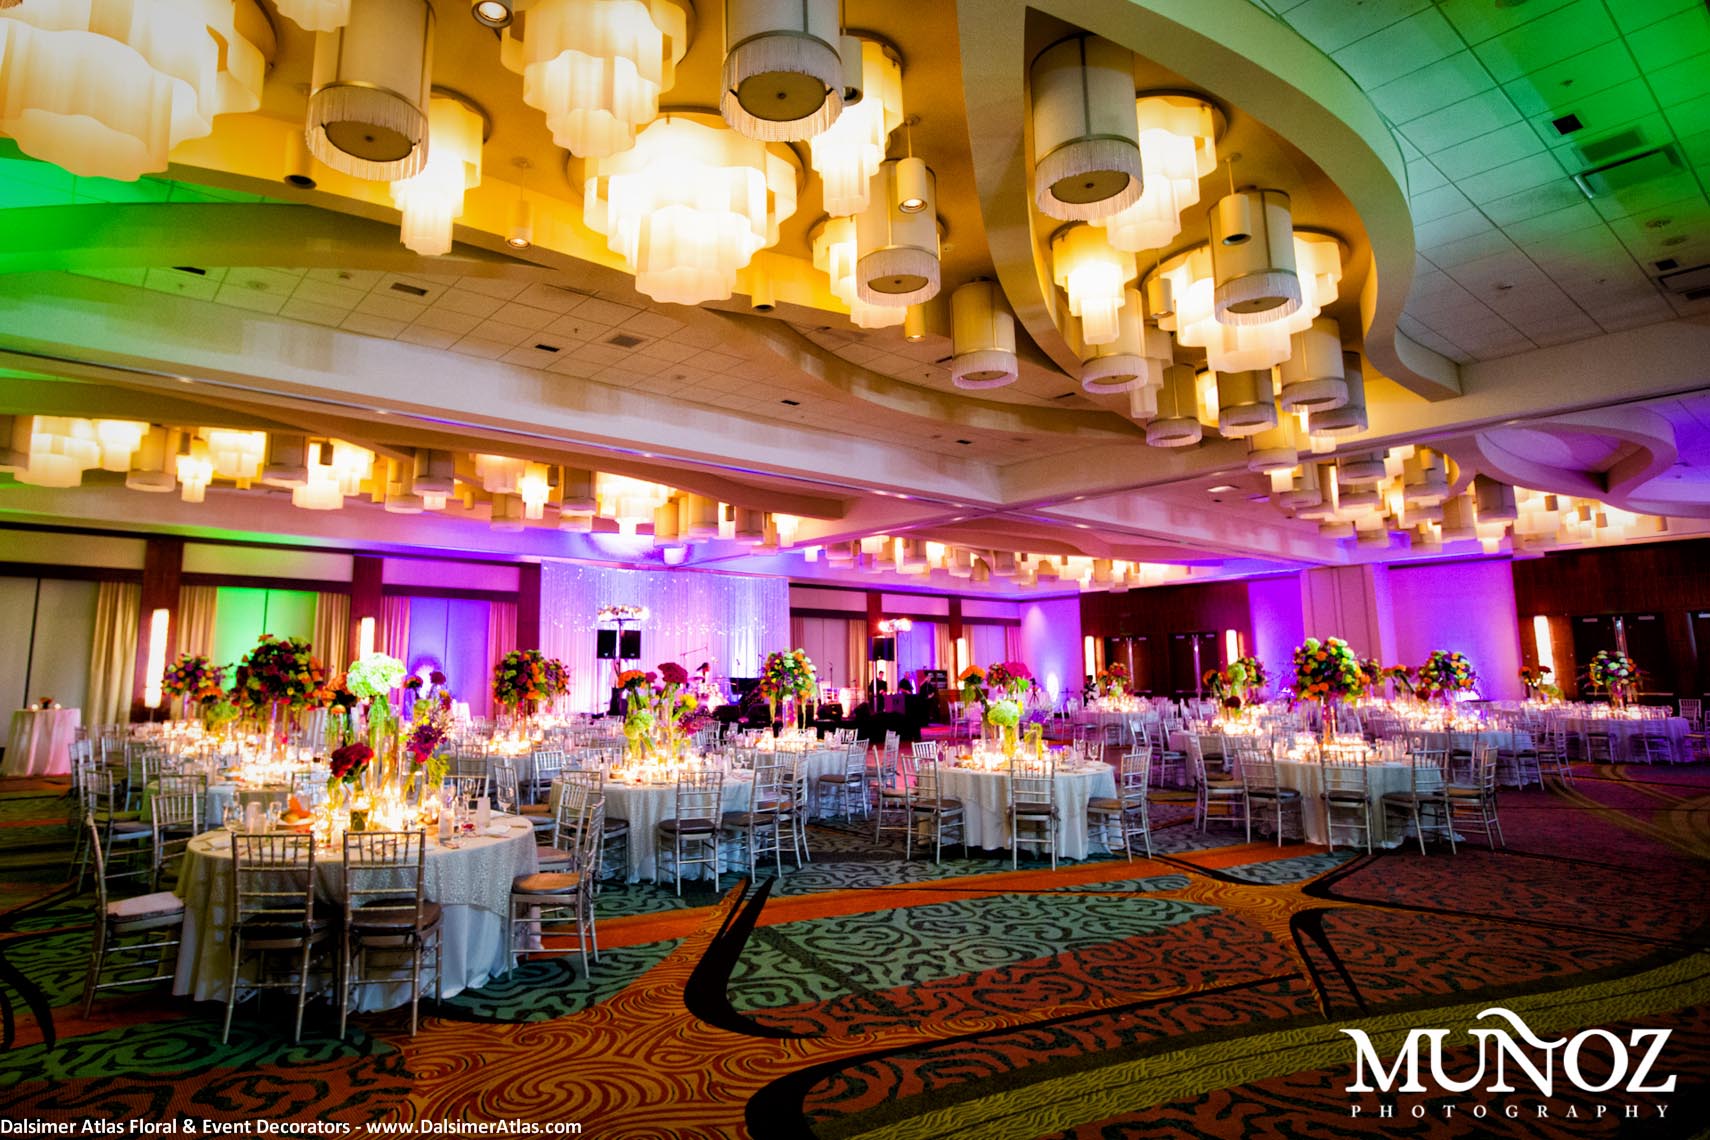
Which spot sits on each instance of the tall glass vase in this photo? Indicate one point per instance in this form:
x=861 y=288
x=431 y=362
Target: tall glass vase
x=1327 y=720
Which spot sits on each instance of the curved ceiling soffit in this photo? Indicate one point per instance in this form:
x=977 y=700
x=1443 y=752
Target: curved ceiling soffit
x=839 y=378
x=1238 y=54
x=1654 y=451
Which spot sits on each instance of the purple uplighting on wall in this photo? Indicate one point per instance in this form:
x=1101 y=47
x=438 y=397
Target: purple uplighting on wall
x=1465 y=606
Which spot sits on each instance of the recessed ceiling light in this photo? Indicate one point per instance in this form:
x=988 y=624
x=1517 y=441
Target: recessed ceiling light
x=491 y=13
x=1220 y=488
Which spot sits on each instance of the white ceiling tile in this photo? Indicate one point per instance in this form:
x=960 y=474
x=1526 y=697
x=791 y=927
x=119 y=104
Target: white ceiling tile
x=1422 y=177
x=550 y=297
x=1455 y=227
x=475 y=346
x=300 y=310
x=418 y=287
x=390 y=308
x=578 y=327
x=262 y=280
x=1500 y=147
x=502 y=288
x=360 y=279
x=1334 y=24
x=529 y=356
x=1405 y=45
x=1529 y=172
x=502 y=332
x=370 y=324
x=1548 y=38
x=603 y=355
x=321 y=292
x=242 y=297
x=697 y=336
x=1576 y=217
x=467 y=303
x=1558 y=88
x=445 y=320
x=653 y=324
x=1471 y=118
x=574 y=364
x=666 y=350
x=202 y=286
x=1417 y=93
x=428 y=337
x=1439 y=203
x=604 y=312
x=1467 y=249
x=526 y=315
x=1539 y=200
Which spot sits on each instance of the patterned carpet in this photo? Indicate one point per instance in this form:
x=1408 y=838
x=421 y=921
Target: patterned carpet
x=1199 y=993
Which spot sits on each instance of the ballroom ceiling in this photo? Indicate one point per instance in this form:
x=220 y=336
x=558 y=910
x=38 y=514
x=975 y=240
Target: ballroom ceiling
x=1521 y=290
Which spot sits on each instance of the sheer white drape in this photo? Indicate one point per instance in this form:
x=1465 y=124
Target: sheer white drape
x=501 y=632
x=730 y=621
x=196 y=605
x=393 y=638
x=332 y=631
x=113 y=654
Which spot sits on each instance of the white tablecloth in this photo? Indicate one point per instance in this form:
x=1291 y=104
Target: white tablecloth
x=1622 y=731
x=40 y=744
x=816 y=762
x=985 y=805
x=1305 y=778
x=645 y=805
x=472 y=884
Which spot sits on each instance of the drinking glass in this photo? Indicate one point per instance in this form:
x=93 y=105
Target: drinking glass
x=505 y=796
x=231 y=816
x=275 y=812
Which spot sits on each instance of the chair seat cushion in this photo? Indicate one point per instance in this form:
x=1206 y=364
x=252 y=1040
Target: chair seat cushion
x=1033 y=811
x=1104 y=803
x=146 y=906
x=1273 y=793
x=392 y=915
x=546 y=883
x=749 y=818
x=615 y=827
x=534 y=809
x=841 y=778
x=268 y=933
x=544 y=855
x=118 y=817
x=687 y=826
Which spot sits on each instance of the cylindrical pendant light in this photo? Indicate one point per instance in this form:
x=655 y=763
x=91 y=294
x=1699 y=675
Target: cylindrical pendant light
x=1143 y=401
x=699 y=517
x=315 y=15
x=666 y=525
x=1095 y=275
x=1425 y=479
x=1177 y=423
x=833 y=244
x=507 y=514
x=1136 y=358
x=596 y=69
x=1460 y=520
x=689 y=205
x=1303 y=489
x=1274 y=448
x=119 y=440
x=1246 y=403
x=1495 y=500
x=897 y=250
x=434 y=472
x=151 y=465
x=1367 y=470
x=1350 y=417
x=1086 y=139
x=1178 y=147
x=848 y=153
x=432 y=199
x=1312 y=375
x=1252 y=258
x=783 y=74
x=368 y=103
x=983 y=330
x=927 y=319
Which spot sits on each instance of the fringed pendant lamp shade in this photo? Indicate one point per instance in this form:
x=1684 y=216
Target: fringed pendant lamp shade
x=1252 y=258
x=1135 y=359
x=689 y=205
x=432 y=200
x=596 y=68
x=106 y=88
x=983 y=331
x=1095 y=276
x=310 y=15
x=1246 y=403
x=783 y=74
x=1495 y=500
x=1178 y=147
x=847 y=154
x=368 y=103
x=1273 y=449
x=1228 y=348
x=1177 y=423
x=898 y=249
x=151 y=466
x=1349 y=418
x=834 y=255
x=1312 y=375
x=1086 y=140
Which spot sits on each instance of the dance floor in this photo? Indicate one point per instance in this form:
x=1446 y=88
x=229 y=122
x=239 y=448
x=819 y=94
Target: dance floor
x=1198 y=993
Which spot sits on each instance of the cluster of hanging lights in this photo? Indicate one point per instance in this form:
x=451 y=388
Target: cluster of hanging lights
x=916 y=557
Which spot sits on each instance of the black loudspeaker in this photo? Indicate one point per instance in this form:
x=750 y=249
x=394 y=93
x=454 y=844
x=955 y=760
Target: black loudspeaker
x=605 y=644
x=883 y=649
x=629 y=645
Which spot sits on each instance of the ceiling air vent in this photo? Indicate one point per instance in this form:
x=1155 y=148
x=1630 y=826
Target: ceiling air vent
x=1612 y=178
x=1693 y=284
x=623 y=340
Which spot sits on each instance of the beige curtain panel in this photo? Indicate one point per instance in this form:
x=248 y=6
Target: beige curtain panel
x=196 y=605
x=332 y=631
x=393 y=638
x=113 y=655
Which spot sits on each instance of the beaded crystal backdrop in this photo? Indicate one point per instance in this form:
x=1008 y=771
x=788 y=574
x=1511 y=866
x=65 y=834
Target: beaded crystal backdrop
x=730 y=620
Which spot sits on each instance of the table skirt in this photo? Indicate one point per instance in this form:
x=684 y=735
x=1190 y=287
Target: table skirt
x=985 y=804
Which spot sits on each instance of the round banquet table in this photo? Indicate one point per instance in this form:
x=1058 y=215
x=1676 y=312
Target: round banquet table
x=1623 y=732
x=985 y=804
x=1305 y=777
x=471 y=882
x=40 y=744
x=644 y=806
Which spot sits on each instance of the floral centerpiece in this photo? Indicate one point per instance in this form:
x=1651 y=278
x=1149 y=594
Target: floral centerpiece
x=1401 y=679
x=1446 y=673
x=1113 y=679
x=1535 y=678
x=280 y=674
x=1327 y=671
x=1010 y=678
x=973 y=682
x=525 y=678
x=430 y=728
x=1005 y=715
x=194 y=680
x=372 y=679
x=1007 y=684
x=787 y=676
x=1615 y=672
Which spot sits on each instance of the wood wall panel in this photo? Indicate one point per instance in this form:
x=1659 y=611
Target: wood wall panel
x=1667 y=578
